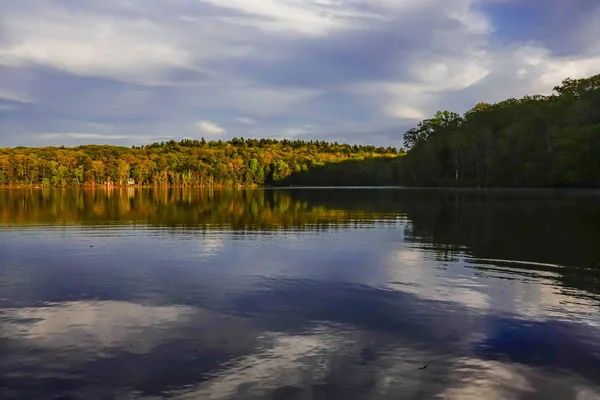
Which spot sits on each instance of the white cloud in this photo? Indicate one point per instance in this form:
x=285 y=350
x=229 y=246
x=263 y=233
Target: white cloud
x=557 y=69
x=298 y=17
x=402 y=111
x=247 y=121
x=455 y=59
x=210 y=128
x=115 y=46
x=92 y=46
x=491 y=75
x=10 y=95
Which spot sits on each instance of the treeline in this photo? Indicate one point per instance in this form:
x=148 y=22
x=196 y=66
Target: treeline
x=536 y=141
x=198 y=163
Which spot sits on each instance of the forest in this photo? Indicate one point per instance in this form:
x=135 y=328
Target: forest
x=187 y=163
x=535 y=141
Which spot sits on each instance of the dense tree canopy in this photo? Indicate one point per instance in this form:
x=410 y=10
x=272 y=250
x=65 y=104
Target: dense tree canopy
x=186 y=163
x=535 y=141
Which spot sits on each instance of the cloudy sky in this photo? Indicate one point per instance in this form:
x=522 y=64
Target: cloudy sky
x=360 y=71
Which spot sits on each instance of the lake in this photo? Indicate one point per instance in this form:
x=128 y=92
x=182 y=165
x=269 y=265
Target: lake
x=299 y=294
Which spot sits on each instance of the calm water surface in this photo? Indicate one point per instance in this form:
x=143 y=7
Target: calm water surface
x=299 y=294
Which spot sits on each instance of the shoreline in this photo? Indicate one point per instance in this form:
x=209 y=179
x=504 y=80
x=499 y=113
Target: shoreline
x=309 y=187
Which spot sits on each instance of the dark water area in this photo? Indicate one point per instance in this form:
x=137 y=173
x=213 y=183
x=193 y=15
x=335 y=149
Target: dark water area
x=299 y=294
